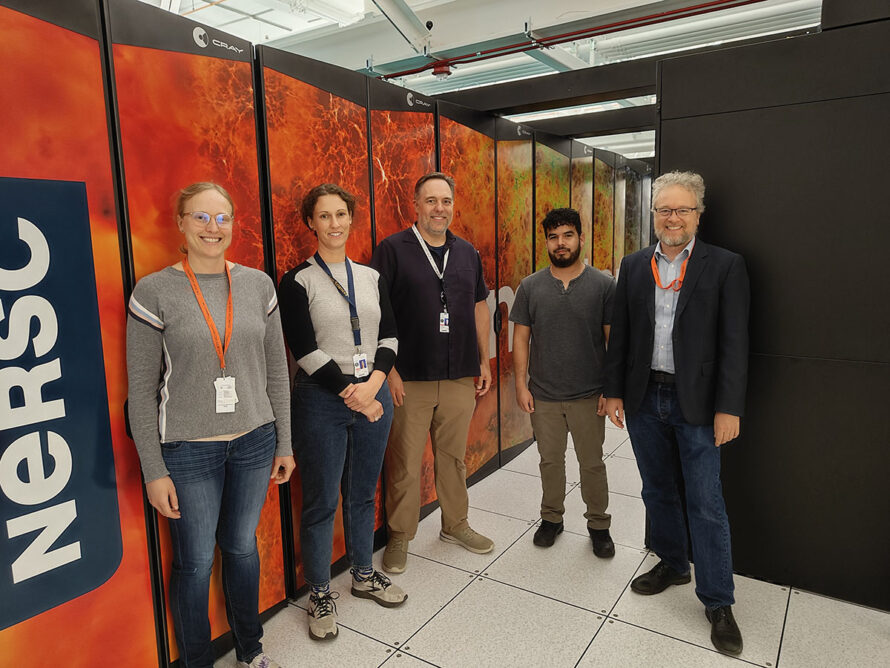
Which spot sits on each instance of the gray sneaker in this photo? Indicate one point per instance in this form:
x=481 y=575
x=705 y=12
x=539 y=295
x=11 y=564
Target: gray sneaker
x=469 y=540
x=323 y=616
x=261 y=660
x=379 y=589
x=395 y=556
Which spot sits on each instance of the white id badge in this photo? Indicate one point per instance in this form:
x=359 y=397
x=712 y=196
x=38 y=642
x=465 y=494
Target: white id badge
x=443 y=322
x=360 y=364
x=225 y=394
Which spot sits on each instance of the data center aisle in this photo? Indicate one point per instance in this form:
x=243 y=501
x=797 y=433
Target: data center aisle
x=523 y=605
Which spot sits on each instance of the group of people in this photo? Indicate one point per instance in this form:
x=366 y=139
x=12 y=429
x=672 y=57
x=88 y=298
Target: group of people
x=395 y=352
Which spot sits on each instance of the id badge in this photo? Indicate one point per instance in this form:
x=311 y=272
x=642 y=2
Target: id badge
x=443 y=322
x=226 y=398
x=360 y=364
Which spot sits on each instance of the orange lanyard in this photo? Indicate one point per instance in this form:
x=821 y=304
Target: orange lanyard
x=677 y=283
x=230 y=313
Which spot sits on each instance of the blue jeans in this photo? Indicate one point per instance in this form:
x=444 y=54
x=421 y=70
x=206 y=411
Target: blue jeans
x=221 y=487
x=671 y=454
x=338 y=450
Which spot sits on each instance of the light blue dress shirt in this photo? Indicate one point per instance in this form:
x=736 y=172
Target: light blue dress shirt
x=666 y=307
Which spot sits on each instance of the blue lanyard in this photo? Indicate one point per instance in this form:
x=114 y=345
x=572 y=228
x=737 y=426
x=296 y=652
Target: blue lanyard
x=349 y=296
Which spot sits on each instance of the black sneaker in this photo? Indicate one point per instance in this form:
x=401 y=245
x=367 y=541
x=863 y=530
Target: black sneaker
x=603 y=547
x=725 y=632
x=658 y=579
x=547 y=533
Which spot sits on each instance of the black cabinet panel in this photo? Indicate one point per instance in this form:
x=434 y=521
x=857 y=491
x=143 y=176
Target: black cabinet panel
x=806 y=484
x=797 y=190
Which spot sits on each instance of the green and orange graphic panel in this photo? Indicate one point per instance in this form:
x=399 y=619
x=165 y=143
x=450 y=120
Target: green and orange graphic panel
x=515 y=228
x=552 y=185
x=603 y=214
x=582 y=195
x=68 y=600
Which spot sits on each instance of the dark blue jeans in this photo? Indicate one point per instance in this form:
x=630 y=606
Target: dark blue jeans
x=221 y=487
x=338 y=451
x=671 y=454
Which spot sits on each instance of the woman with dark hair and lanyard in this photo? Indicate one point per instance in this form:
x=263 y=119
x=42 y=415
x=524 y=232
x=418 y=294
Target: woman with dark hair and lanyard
x=208 y=448
x=340 y=328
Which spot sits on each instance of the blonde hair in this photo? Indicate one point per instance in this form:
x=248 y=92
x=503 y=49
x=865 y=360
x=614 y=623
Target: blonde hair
x=185 y=194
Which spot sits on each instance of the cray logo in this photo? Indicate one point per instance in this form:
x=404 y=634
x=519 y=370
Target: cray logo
x=413 y=100
x=588 y=150
x=203 y=40
x=522 y=132
x=59 y=524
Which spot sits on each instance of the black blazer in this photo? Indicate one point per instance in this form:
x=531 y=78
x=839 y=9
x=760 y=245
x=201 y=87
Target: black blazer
x=710 y=334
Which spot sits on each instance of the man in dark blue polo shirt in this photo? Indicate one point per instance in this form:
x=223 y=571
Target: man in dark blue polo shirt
x=438 y=297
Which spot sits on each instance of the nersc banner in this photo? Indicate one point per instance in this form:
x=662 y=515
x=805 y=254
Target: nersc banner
x=59 y=523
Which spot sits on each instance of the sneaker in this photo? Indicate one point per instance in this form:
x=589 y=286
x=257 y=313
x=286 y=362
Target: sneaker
x=261 y=660
x=323 y=616
x=379 y=589
x=469 y=539
x=547 y=533
x=395 y=556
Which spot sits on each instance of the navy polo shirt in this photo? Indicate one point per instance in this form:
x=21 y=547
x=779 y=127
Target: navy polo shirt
x=425 y=353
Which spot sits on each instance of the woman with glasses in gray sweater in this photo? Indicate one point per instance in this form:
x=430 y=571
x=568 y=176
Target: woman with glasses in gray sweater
x=208 y=408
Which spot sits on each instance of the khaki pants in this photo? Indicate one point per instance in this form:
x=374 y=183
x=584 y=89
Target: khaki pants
x=552 y=421
x=443 y=409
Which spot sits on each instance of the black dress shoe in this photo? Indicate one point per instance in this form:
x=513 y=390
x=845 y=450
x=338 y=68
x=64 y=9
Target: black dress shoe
x=658 y=579
x=725 y=632
x=547 y=533
x=603 y=547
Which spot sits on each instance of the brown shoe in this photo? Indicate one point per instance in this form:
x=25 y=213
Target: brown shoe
x=469 y=540
x=395 y=556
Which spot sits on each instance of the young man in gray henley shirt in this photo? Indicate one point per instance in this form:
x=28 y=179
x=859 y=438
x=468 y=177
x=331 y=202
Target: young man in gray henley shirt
x=561 y=317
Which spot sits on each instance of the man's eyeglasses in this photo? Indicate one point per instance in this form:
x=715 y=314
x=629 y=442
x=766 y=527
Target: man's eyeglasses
x=204 y=218
x=683 y=211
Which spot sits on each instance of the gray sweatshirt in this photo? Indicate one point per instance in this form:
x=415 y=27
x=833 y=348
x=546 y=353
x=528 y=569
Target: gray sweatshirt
x=171 y=361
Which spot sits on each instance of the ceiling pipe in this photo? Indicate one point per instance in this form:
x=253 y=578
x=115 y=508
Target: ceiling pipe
x=536 y=43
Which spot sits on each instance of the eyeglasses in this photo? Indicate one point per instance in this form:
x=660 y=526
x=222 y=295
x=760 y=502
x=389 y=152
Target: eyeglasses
x=683 y=211
x=204 y=218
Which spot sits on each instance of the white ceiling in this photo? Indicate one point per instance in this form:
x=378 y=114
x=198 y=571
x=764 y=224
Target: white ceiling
x=357 y=35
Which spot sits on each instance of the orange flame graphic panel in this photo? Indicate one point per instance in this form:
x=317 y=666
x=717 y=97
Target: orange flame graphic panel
x=468 y=156
x=187 y=118
x=403 y=149
x=56 y=129
x=552 y=182
x=314 y=137
x=515 y=229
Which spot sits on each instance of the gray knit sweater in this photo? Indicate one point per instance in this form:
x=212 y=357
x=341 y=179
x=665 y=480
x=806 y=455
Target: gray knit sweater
x=171 y=361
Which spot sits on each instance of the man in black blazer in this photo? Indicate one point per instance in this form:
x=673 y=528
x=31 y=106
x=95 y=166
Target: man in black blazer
x=676 y=370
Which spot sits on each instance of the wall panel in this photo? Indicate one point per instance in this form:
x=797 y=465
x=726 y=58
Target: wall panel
x=186 y=113
x=603 y=213
x=582 y=194
x=55 y=135
x=515 y=214
x=466 y=152
x=552 y=185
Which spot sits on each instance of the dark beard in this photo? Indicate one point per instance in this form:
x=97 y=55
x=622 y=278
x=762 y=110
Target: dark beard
x=568 y=261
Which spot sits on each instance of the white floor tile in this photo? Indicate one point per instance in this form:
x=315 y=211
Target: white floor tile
x=625 y=451
x=568 y=571
x=508 y=493
x=402 y=660
x=821 y=631
x=527 y=462
x=286 y=639
x=429 y=586
x=493 y=624
x=502 y=530
x=624 y=476
x=677 y=612
x=614 y=439
x=620 y=645
x=628 y=518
